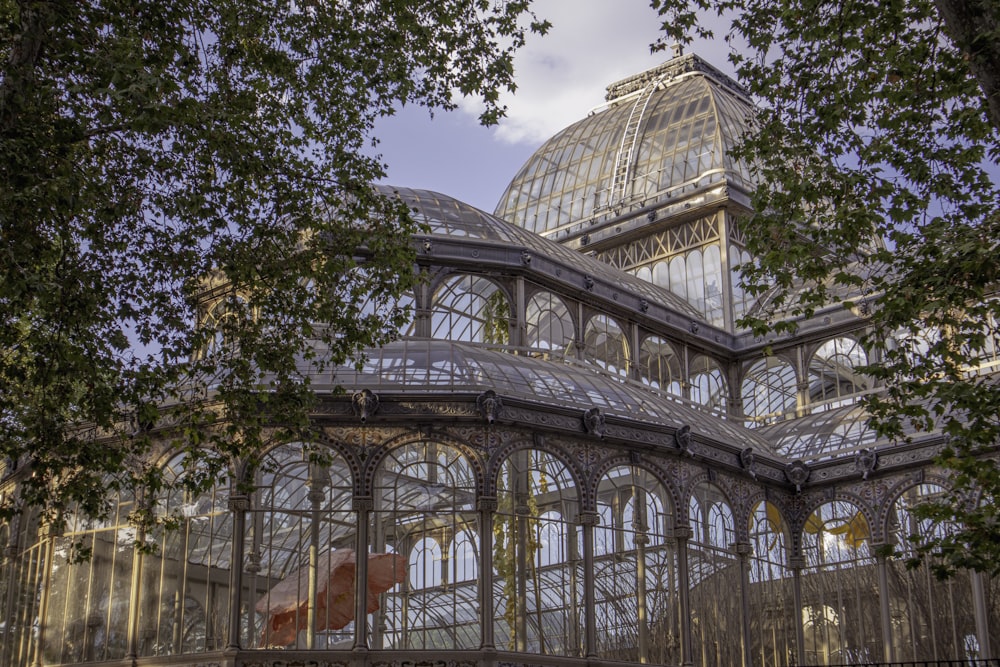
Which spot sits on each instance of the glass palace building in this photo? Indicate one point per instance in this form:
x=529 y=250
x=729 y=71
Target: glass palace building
x=572 y=456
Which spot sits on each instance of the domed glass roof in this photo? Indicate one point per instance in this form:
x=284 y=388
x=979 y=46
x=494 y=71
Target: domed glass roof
x=664 y=132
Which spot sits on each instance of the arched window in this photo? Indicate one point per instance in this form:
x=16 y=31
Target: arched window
x=605 y=346
x=635 y=578
x=463 y=557
x=424 y=495
x=916 y=596
x=659 y=365
x=768 y=391
x=548 y=325
x=832 y=374
x=185 y=607
x=301 y=526
x=470 y=308
x=538 y=609
x=841 y=618
x=425 y=564
x=715 y=610
x=708 y=386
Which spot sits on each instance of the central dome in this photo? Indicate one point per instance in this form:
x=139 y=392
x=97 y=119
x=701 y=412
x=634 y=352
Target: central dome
x=663 y=133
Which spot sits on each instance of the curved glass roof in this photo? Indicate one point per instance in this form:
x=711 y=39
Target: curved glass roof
x=421 y=366
x=447 y=216
x=669 y=132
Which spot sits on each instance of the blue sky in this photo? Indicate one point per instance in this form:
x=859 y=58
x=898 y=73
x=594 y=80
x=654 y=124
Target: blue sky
x=560 y=77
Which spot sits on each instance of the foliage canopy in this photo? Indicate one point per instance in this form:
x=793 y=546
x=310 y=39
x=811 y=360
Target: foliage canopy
x=877 y=146
x=161 y=159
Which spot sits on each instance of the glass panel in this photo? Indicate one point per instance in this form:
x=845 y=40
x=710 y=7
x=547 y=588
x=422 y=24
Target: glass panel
x=772 y=609
x=716 y=611
x=604 y=345
x=186 y=581
x=537 y=555
x=832 y=374
x=931 y=619
x=301 y=527
x=841 y=608
x=88 y=602
x=425 y=495
x=708 y=386
x=768 y=391
x=548 y=325
x=635 y=573
x=659 y=365
x=472 y=309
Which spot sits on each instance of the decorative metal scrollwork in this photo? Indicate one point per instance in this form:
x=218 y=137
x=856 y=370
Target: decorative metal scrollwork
x=749 y=462
x=682 y=438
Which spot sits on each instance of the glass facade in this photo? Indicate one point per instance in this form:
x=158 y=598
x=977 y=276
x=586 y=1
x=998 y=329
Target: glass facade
x=565 y=457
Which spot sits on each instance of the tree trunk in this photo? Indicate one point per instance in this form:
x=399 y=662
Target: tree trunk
x=974 y=27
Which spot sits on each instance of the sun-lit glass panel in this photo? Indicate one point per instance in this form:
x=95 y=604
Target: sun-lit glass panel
x=537 y=557
x=185 y=581
x=635 y=575
x=841 y=609
x=88 y=605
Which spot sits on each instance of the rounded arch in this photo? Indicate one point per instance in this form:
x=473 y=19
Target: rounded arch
x=301 y=524
x=769 y=390
x=832 y=372
x=424 y=495
x=605 y=344
x=471 y=308
x=707 y=383
x=537 y=545
x=549 y=323
x=635 y=575
x=472 y=454
x=660 y=365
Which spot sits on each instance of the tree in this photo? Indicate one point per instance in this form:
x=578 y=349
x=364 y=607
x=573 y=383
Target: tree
x=160 y=160
x=879 y=121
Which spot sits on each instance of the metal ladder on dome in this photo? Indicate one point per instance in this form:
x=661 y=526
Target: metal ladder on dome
x=623 y=161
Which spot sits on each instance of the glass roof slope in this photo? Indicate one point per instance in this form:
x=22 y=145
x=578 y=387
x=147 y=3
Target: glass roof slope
x=821 y=435
x=670 y=137
x=421 y=366
x=447 y=216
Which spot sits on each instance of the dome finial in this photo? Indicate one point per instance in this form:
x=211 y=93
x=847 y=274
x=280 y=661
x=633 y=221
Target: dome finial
x=678 y=49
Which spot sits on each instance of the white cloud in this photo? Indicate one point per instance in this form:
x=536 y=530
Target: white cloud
x=564 y=74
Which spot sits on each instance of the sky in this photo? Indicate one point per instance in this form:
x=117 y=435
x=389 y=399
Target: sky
x=560 y=77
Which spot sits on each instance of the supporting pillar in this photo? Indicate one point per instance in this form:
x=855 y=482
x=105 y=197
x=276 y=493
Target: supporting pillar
x=982 y=616
x=45 y=586
x=682 y=534
x=487 y=506
x=239 y=504
x=743 y=552
x=316 y=496
x=642 y=614
x=796 y=563
x=587 y=521
x=363 y=506
x=885 y=615
x=135 y=594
